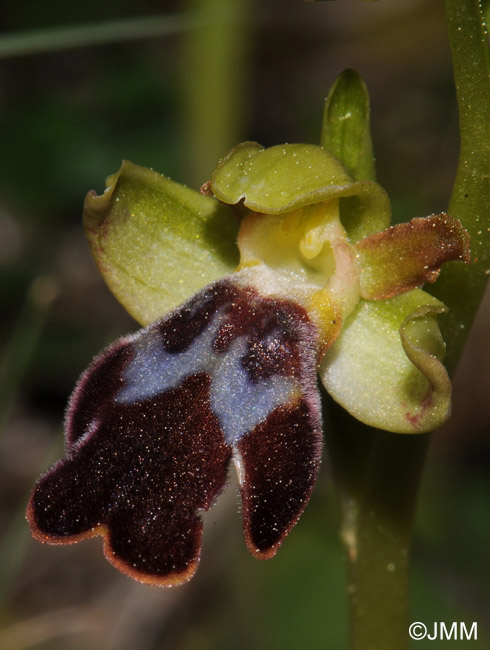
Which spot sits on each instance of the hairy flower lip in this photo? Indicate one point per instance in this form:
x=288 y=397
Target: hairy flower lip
x=149 y=438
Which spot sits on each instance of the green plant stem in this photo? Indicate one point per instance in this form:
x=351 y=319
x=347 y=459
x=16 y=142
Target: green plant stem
x=377 y=476
x=376 y=473
x=378 y=483
x=462 y=287
x=379 y=603
x=75 y=36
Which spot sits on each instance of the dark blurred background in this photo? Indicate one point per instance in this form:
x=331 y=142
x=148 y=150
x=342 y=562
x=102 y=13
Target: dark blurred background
x=173 y=86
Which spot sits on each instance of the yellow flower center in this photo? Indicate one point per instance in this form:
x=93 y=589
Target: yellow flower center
x=308 y=254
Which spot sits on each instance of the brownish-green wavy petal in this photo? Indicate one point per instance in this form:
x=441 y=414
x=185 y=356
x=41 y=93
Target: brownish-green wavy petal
x=405 y=256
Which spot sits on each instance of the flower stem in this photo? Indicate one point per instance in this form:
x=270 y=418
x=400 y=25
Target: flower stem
x=378 y=473
x=462 y=287
x=377 y=487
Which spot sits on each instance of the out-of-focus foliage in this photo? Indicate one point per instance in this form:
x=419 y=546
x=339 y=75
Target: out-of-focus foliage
x=330 y=0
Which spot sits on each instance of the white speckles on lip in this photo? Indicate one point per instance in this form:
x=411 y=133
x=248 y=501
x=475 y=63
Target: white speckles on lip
x=237 y=402
x=153 y=370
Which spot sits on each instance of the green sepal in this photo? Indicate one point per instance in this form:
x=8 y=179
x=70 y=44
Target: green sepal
x=157 y=242
x=345 y=127
x=385 y=368
x=286 y=177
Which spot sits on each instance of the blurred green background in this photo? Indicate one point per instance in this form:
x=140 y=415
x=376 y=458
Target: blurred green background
x=173 y=86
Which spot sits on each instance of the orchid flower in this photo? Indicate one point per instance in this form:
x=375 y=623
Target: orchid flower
x=323 y=287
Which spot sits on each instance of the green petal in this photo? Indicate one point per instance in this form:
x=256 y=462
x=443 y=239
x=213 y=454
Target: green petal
x=290 y=176
x=157 y=242
x=385 y=368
